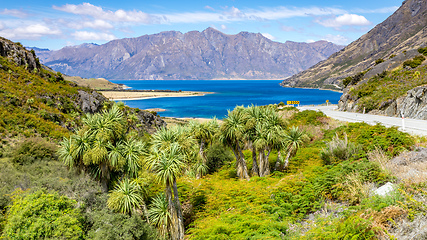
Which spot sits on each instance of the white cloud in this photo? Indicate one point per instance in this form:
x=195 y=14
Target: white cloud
x=34 y=31
x=269 y=36
x=96 y=12
x=96 y=24
x=223 y=27
x=337 y=39
x=310 y=41
x=14 y=12
x=235 y=14
x=85 y=35
x=345 y=20
x=1 y=26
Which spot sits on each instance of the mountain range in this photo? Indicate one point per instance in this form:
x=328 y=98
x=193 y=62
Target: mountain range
x=209 y=54
x=393 y=41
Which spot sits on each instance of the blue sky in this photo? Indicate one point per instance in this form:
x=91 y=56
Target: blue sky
x=55 y=24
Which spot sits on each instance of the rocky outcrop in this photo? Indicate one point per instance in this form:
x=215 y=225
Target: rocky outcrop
x=91 y=102
x=412 y=105
x=209 y=54
x=403 y=30
x=18 y=54
x=150 y=121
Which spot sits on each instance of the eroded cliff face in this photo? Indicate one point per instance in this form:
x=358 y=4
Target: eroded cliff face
x=412 y=105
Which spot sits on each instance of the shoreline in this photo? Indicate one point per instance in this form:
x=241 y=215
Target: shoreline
x=141 y=95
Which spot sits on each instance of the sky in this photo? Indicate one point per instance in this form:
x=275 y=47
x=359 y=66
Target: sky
x=56 y=24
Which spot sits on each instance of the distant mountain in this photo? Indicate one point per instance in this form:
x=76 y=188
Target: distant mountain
x=404 y=30
x=209 y=54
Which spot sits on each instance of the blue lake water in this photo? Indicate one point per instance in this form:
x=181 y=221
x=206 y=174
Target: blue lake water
x=228 y=94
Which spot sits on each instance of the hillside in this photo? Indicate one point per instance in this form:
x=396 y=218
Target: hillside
x=404 y=30
x=209 y=54
x=38 y=102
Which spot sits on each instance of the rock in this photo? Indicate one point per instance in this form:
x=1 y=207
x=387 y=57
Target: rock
x=20 y=55
x=91 y=102
x=384 y=190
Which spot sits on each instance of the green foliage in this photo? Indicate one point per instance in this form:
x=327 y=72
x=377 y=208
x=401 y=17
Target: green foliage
x=33 y=149
x=126 y=197
x=378 y=61
x=216 y=156
x=353 y=227
x=390 y=140
x=423 y=51
x=105 y=225
x=24 y=94
x=338 y=150
x=308 y=117
x=415 y=62
x=353 y=80
x=42 y=215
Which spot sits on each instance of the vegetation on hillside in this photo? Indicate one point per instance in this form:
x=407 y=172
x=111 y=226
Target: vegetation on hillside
x=378 y=91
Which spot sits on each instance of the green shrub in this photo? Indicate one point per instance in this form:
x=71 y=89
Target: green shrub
x=42 y=215
x=308 y=117
x=106 y=225
x=33 y=149
x=415 y=62
x=423 y=51
x=378 y=61
x=338 y=150
x=216 y=156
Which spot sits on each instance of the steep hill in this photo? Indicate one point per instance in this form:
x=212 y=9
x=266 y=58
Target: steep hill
x=35 y=101
x=209 y=54
x=403 y=30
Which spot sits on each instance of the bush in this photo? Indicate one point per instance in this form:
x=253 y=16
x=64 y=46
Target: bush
x=308 y=117
x=106 y=225
x=338 y=150
x=33 y=149
x=378 y=61
x=42 y=215
x=423 y=51
x=216 y=156
x=415 y=62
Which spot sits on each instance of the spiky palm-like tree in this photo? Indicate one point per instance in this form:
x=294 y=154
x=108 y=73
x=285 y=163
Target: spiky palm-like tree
x=232 y=133
x=293 y=140
x=126 y=197
x=102 y=147
x=159 y=214
x=204 y=133
x=168 y=165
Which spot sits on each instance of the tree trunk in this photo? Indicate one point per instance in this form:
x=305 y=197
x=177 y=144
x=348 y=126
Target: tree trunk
x=277 y=165
x=261 y=163
x=105 y=176
x=242 y=162
x=172 y=229
x=267 y=163
x=180 y=219
x=144 y=208
x=202 y=156
x=287 y=158
x=255 y=169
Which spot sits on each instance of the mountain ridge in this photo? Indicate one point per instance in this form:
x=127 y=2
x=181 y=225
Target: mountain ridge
x=403 y=30
x=209 y=54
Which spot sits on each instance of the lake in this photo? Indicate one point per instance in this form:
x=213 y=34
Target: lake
x=228 y=94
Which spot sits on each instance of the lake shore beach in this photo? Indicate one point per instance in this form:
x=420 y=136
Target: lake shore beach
x=138 y=95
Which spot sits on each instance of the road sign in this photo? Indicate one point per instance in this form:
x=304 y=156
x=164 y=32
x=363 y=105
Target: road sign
x=292 y=102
